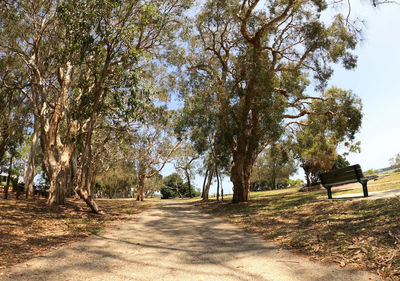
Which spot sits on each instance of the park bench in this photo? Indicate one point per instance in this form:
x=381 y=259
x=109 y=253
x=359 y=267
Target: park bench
x=343 y=176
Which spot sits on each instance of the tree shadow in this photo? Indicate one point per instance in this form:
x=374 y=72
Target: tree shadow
x=174 y=239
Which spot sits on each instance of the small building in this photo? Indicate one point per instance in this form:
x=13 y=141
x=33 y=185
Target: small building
x=3 y=177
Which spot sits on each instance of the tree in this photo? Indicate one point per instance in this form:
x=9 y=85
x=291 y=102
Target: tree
x=184 y=161
x=78 y=53
x=395 y=161
x=341 y=162
x=118 y=180
x=14 y=110
x=273 y=166
x=153 y=145
x=317 y=141
x=153 y=185
x=253 y=63
x=173 y=186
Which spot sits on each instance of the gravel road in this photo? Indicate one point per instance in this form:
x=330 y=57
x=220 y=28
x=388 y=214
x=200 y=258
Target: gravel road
x=175 y=241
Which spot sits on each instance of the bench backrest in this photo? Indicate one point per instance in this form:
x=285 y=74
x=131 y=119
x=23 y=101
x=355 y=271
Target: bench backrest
x=347 y=174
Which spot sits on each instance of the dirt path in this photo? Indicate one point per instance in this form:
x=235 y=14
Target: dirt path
x=175 y=241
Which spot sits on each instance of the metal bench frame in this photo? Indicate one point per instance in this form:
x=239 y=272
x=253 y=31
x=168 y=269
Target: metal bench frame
x=343 y=176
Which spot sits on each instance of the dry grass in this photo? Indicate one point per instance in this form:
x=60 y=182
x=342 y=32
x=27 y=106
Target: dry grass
x=362 y=234
x=30 y=228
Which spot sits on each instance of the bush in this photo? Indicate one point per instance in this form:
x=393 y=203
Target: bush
x=370 y=172
x=168 y=192
x=295 y=183
x=260 y=185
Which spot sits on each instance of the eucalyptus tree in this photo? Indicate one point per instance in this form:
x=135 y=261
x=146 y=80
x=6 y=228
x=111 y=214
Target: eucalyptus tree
x=153 y=145
x=198 y=120
x=255 y=61
x=14 y=110
x=274 y=165
x=317 y=142
x=77 y=53
x=184 y=161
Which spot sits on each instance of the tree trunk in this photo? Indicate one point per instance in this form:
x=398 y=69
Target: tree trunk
x=208 y=185
x=189 y=185
x=58 y=176
x=307 y=172
x=216 y=174
x=240 y=177
x=142 y=179
x=222 y=190
x=273 y=179
x=57 y=151
x=87 y=174
x=87 y=197
x=8 y=179
x=85 y=193
x=30 y=170
x=57 y=159
x=204 y=182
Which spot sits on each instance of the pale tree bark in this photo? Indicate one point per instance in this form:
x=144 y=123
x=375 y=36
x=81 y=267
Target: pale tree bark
x=87 y=175
x=30 y=169
x=189 y=184
x=58 y=153
x=146 y=162
x=217 y=176
x=208 y=184
x=8 y=178
x=142 y=180
x=204 y=182
x=222 y=190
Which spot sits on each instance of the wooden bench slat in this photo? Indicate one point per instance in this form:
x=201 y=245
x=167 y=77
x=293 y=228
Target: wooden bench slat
x=341 y=183
x=339 y=178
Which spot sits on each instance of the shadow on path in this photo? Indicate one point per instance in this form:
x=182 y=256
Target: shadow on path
x=176 y=242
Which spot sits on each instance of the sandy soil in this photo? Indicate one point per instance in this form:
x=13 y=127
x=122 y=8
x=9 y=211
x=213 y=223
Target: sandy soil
x=175 y=241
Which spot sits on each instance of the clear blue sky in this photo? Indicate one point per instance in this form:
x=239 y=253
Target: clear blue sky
x=376 y=80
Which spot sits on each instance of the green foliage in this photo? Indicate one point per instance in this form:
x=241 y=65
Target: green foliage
x=295 y=183
x=341 y=162
x=273 y=167
x=117 y=180
x=175 y=187
x=370 y=172
x=317 y=141
x=249 y=65
x=14 y=107
x=168 y=192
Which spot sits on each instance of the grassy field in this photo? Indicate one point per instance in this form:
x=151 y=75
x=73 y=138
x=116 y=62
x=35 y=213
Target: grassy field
x=362 y=234
x=30 y=228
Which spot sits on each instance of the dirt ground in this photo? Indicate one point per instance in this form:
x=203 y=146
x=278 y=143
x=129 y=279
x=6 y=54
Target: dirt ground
x=175 y=241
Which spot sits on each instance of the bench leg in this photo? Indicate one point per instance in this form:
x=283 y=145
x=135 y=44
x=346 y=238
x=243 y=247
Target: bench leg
x=329 y=193
x=365 y=189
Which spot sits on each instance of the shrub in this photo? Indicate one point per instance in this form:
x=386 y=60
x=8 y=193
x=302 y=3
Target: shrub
x=168 y=192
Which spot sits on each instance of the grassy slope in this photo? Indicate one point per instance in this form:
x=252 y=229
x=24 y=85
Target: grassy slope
x=362 y=234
